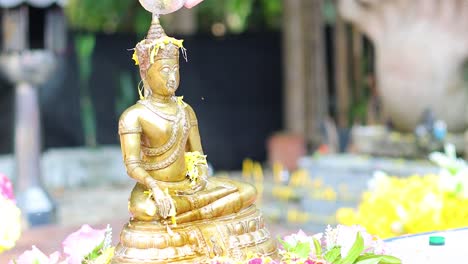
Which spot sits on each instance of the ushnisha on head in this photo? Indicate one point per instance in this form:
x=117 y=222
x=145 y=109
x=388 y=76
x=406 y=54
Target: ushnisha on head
x=158 y=59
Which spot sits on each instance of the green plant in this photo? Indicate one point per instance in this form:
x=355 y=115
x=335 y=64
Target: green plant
x=124 y=15
x=329 y=11
x=98 y=16
x=84 y=45
x=127 y=92
x=272 y=11
x=237 y=15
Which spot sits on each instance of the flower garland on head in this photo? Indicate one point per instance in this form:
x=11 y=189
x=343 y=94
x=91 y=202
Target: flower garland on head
x=152 y=47
x=157 y=44
x=10 y=220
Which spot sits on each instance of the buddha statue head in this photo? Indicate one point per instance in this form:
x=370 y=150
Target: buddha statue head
x=158 y=59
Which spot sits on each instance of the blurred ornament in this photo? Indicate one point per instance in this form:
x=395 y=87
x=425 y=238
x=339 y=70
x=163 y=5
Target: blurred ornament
x=6 y=188
x=162 y=7
x=440 y=130
x=10 y=224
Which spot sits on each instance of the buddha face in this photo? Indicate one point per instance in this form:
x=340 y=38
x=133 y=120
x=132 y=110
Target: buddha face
x=163 y=76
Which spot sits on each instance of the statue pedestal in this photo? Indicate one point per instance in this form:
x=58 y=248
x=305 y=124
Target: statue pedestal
x=232 y=236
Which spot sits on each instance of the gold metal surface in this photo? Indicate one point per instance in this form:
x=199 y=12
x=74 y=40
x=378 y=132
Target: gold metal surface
x=213 y=216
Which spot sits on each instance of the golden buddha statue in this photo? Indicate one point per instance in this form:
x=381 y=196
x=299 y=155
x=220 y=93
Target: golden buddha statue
x=178 y=214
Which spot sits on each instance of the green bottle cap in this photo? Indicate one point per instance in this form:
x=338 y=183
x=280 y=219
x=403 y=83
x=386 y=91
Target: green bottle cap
x=436 y=240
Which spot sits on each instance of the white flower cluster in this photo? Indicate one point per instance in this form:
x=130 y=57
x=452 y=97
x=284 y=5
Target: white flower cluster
x=453 y=171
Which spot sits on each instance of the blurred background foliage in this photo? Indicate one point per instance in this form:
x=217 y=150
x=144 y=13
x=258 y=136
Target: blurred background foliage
x=112 y=16
x=236 y=16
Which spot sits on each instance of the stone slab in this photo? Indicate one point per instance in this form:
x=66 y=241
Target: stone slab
x=416 y=248
x=76 y=167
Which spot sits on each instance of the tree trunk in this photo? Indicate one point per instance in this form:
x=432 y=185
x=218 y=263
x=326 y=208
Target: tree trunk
x=342 y=73
x=294 y=71
x=316 y=76
x=305 y=87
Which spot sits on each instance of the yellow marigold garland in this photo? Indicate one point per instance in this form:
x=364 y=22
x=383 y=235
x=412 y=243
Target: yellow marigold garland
x=398 y=206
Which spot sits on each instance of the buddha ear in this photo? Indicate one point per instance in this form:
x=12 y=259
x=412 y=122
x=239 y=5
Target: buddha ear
x=146 y=89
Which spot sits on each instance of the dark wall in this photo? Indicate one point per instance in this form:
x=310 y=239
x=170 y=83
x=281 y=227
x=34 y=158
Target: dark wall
x=234 y=85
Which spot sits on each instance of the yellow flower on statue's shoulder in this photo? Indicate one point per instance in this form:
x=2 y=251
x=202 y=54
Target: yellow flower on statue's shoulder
x=178 y=42
x=135 y=58
x=10 y=224
x=193 y=162
x=180 y=101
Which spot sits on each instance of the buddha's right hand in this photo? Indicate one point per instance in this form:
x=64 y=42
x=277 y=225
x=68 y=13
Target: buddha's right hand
x=163 y=201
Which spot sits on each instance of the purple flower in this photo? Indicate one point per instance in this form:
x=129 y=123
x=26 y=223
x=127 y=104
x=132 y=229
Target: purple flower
x=6 y=188
x=81 y=243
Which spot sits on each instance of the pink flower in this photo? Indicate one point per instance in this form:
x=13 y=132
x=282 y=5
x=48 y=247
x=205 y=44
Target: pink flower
x=377 y=246
x=6 y=188
x=309 y=261
x=36 y=256
x=293 y=239
x=81 y=243
x=256 y=261
x=300 y=237
x=346 y=236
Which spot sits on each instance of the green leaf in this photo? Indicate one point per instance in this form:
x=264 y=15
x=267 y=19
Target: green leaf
x=286 y=245
x=368 y=259
x=377 y=259
x=318 y=247
x=95 y=253
x=333 y=254
x=302 y=249
x=355 y=251
x=458 y=188
x=386 y=259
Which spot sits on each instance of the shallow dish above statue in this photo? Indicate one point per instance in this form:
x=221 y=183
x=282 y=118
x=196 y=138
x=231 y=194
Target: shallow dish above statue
x=162 y=7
